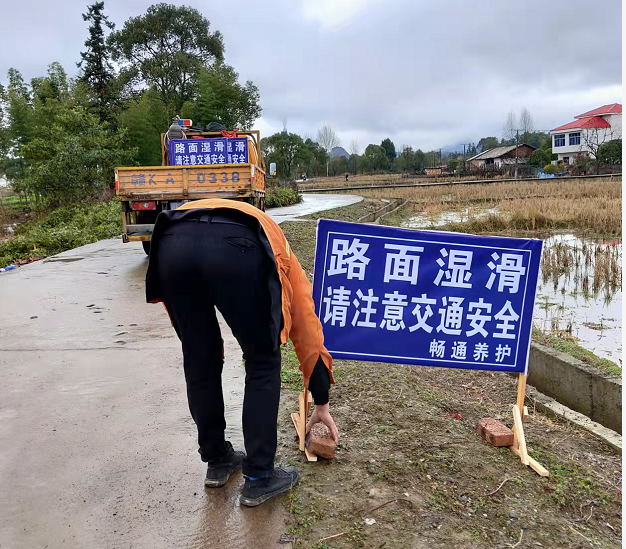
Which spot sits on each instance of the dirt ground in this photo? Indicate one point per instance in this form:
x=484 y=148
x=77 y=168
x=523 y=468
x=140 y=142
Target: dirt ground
x=409 y=459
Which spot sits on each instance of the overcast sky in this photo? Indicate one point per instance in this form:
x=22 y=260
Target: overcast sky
x=429 y=73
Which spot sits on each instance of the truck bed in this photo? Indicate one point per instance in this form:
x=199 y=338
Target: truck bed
x=190 y=182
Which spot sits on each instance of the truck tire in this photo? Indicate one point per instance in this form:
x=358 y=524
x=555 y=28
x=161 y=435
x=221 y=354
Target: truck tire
x=256 y=201
x=146 y=246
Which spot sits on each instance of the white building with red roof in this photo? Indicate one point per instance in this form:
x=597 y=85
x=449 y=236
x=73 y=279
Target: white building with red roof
x=585 y=134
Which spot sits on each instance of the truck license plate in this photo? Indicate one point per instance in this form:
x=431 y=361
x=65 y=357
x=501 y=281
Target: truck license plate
x=174 y=205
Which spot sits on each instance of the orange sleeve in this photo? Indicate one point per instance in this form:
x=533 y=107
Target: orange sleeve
x=306 y=329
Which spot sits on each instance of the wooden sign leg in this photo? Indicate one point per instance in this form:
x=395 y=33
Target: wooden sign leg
x=521 y=392
x=519 y=439
x=308 y=398
x=299 y=421
x=302 y=423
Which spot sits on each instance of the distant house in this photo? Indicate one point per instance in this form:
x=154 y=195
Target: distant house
x=439 y=170
x=587 y=132
x=502 y=157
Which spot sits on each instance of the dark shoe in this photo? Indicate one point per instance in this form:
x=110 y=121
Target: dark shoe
x=217 y=474
x=256 y=492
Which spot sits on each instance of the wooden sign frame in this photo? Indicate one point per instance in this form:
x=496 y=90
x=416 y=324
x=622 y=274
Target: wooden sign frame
x=299 y=421
x=519 y=439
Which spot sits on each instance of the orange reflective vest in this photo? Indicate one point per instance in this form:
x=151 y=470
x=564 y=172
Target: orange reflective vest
x=300 y=323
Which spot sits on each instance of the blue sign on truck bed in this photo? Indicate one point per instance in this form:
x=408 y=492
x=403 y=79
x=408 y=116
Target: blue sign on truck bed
x=215 y=150
x=429 y=298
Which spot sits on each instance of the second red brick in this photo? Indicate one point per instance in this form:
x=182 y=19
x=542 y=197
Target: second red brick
x=494 y=432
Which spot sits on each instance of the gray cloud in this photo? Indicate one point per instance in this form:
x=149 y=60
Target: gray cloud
x=427 y=73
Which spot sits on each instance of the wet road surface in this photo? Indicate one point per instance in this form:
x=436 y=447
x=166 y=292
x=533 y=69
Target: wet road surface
x=97 y=447
x=312 y=203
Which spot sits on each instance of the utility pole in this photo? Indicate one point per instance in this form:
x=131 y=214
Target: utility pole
x=463 y=158
x=516 y=149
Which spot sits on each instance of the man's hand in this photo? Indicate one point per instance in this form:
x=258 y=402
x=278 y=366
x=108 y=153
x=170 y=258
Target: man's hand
x=321 y=413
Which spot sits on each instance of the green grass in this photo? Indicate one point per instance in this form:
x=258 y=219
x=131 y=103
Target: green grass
x=576 y=351
x=570 y=485
x=348 y=213
x=14 y=204
x=290 y=374
x=63 y=229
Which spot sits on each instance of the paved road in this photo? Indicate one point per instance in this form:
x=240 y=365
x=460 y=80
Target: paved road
x=312 y=203
x=97 y=448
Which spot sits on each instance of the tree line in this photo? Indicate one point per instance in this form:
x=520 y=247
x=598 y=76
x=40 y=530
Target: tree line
x=61 y=137
x=296 y=156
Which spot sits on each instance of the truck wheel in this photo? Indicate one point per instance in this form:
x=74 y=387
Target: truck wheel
x=146 y=246
x=256 y=201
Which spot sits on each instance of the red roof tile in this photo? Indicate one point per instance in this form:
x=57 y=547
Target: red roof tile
x=614 y=108
x=594 y=122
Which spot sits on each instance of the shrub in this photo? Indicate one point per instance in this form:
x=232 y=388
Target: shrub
x=63 y=229
x=73 y=159
x=554 y=168
x=277 y=197
x=540 y=157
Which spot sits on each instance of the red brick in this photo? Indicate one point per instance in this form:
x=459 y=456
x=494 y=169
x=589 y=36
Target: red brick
x=320 y=442
x=494 y=432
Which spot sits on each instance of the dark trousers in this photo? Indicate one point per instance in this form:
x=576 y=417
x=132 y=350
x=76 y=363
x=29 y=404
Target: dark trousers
x=203 y=264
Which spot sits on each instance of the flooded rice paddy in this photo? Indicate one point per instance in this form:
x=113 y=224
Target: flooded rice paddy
x=579 y=295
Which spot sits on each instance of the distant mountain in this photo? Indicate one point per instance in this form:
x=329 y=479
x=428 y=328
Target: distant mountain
x=458 y=148
x=339 y=151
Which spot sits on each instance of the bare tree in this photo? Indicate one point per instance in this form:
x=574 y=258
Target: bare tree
x=328 y=140
x=407 y=156
x=354 y=152
x=526 y=122
x=508 y=132
x=594 y=138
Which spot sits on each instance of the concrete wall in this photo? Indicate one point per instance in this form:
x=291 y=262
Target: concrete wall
x=616 y=125
x=369 y=218
x=576 y=385
x=569 y=150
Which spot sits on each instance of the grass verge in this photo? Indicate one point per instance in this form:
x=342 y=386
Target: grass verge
x=576 y=351
x=350 y=213
x=61 y=230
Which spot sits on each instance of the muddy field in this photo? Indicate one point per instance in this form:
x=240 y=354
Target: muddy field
x=412 y=473
x=381 y=179
x=589 y=206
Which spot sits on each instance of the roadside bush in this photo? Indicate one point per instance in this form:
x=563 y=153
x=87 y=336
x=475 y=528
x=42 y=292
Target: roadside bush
x=277 y=197
x=554 y=168
x=61 y=230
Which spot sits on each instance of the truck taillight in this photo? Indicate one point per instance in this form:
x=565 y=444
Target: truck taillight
x=150 y=205
x=117 y=183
